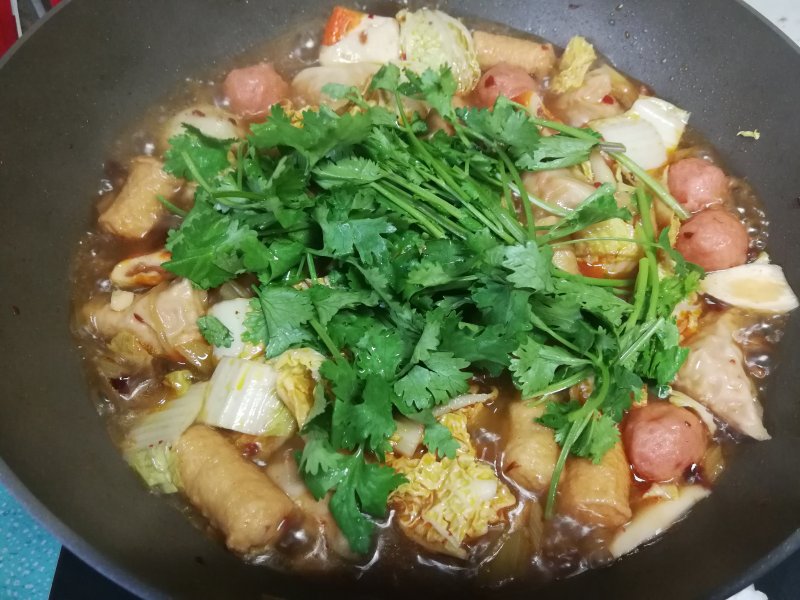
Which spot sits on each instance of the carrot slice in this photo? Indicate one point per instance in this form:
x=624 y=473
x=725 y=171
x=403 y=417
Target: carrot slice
x=341 y=22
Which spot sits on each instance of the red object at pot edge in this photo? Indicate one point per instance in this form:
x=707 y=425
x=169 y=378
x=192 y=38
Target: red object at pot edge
x=8 y=26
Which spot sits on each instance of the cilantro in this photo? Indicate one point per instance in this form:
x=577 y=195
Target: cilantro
x=600 y=206
x=529 y=266
x=534 y=365
x=277 y=317
x=328 y=301
x=440 y=379
x=210 y=248
x=439 y=440
x=427 y=271
x=214 y=331
x=359 y=486
x=363 y=235
x=208 y=156
x=557 y=152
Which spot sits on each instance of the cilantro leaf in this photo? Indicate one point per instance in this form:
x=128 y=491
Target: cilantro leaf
x=597 y=438
x=369 y=422
x=208 y=155
x=363 y=235
x=529 y=266
x=440 y=379
x=359 y=486
x=534 y=365
x=323 y=131
x=506 y=124
x=210 y=248
x=328 y=301
x=601 y=205
x=439 y=440
x=276 y=319
x=214 y=331
x=437 y=89
x=556 y=152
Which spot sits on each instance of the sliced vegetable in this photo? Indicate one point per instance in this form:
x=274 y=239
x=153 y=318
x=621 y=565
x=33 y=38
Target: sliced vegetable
x=156 y=465
x=654 y=519
x=680 y=399
x=210 y=120
x=407 y=436
x=643 y=143
x=355 y=37
x=231 y=314
x=242 y=396
x=460 y=402
x=574 y=64
x=669 y=120
x=298 y=374
x=166 y=424
x=180 y=381
x=341 y=22
x=754 y=286
x=430 y=39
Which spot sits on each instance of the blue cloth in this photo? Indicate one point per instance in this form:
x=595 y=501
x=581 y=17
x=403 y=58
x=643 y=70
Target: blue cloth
x=28 y=553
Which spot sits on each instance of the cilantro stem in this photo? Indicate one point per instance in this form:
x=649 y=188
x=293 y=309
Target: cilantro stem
x=617 y=283
x=562 y=384
x=196 y=173
x=452 y=186
x=643 y=203
x=537 y=322
x=427 y=195
x=409 y=209
x=602 y=239
x=640 y=294
x=576 y=132
x=171 y=207
x=580 y=419
x=651 y=182
x=523 y=193
x=326 y=339
x=641 y=340
x=312 y=269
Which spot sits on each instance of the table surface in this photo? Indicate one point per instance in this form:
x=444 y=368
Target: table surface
x=29 y=554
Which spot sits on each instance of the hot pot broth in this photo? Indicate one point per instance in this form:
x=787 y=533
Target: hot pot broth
x=517 y=540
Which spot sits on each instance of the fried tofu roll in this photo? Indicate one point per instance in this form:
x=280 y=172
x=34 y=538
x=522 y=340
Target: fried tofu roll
x=238 y=499
x=537 y=59
x=531 y=451
x=597 y=494
x=136 y=209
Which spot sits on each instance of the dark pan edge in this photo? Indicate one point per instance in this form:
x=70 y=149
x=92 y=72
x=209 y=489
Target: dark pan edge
x=73 y=542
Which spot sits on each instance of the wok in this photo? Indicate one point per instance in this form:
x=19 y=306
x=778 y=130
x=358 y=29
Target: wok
x=94 y=65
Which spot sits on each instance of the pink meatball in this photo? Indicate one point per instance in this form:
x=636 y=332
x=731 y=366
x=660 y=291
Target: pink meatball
x=697 y=184
x=663 y=440
x=253 y=90
x=714 y=239
x=503 y=80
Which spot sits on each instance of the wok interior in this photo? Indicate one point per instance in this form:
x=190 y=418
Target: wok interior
x=56 y=417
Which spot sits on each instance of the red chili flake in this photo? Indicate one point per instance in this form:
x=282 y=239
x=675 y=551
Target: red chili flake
x=597 y=184
x=138 y=317
x=250 y=449
x=402 y=56
x=608 y=99
x=489 y=81
x=370 y=16
x=362 y=37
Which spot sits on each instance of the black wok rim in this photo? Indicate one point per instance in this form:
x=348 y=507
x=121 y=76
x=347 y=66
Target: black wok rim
x=120 y=575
